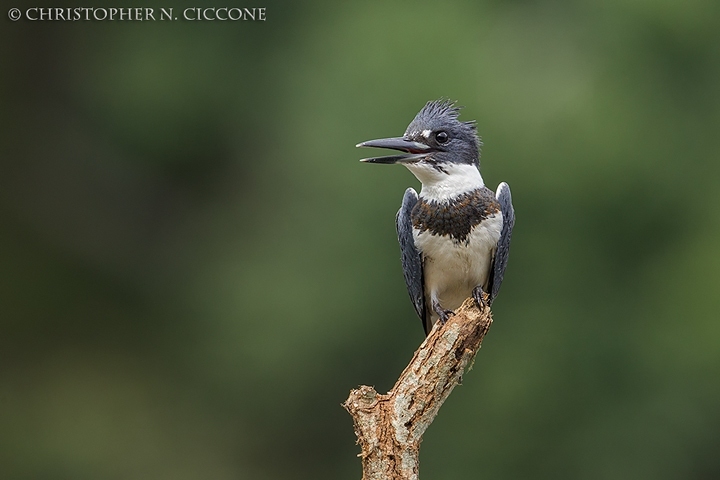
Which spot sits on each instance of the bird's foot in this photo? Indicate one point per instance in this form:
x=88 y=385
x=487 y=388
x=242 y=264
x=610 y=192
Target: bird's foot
x=445 y=315
x=479 y=297
x=442 y=313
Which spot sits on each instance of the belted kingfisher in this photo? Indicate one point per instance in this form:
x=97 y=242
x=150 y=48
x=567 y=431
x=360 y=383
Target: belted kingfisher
x=455 y=236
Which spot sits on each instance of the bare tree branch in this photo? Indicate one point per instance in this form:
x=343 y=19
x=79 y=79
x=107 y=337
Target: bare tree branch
x=390 y=427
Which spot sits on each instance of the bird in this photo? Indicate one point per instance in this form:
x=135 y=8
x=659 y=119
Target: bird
x=455 y=234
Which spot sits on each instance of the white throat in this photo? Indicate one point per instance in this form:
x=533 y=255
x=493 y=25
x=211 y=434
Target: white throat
x=440 y=186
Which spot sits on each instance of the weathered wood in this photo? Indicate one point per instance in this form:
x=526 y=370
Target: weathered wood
x=390 y=427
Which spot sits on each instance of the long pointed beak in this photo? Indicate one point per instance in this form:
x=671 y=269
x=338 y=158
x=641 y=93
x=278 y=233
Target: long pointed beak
x=416 y=150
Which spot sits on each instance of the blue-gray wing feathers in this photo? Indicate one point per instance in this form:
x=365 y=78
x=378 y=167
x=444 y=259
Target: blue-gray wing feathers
x=411 y=259
x=503 y=248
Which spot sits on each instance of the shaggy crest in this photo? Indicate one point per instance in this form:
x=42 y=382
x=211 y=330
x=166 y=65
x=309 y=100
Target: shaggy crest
x=443 y=107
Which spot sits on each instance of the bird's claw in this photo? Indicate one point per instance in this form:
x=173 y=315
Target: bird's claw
x=441 y=312
x=445 y=315
x=479 y=297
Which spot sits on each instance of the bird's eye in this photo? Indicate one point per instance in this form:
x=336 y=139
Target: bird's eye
x=442 y=137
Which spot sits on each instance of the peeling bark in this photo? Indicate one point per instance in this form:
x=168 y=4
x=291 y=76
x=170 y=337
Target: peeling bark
x=390 y=427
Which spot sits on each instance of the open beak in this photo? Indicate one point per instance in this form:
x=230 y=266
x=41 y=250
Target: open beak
x=415 y=150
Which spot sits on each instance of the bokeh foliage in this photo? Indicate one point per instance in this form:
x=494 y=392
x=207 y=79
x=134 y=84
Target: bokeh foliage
x=196 y=269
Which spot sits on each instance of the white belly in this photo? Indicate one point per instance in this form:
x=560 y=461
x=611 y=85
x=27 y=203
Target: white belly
x=451 y=270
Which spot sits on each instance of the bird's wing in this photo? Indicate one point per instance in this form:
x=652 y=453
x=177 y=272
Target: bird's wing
x=411 y=259
x=503 y=248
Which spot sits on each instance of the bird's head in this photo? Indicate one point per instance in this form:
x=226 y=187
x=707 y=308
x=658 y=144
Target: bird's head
x=435 y=139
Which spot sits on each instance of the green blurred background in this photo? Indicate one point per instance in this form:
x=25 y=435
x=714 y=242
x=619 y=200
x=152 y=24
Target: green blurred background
x=196 y=269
